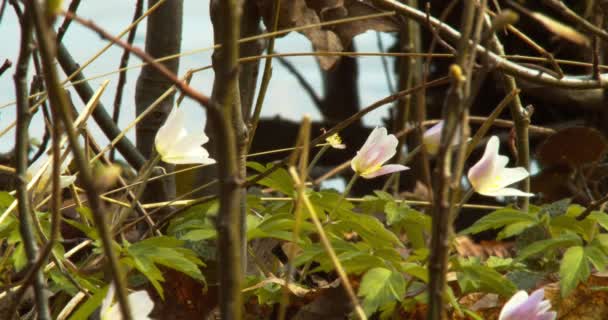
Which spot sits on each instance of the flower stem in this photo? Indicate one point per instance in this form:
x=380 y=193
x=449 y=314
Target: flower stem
x=317 y=158
x=465 y=198
x=406 y=160
x=347 y=189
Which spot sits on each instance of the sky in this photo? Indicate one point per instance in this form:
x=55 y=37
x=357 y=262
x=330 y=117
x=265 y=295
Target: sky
x=284 y=97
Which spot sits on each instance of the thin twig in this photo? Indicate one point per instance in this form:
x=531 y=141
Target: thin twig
x=560 y=7
x=59 y=102
x=22 y=145
x=66 y=22
x=511 y=68
x=255 y=117
x=5 y=65
x=124 y=61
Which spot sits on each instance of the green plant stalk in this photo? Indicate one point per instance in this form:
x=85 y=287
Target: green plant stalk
x=22 y=145
x=347 y=189
x=521 y=120
x=255 y=119
x=317 y=157
x=58 y=100
x=304 y=141
x=403 y=161
x=327 y=246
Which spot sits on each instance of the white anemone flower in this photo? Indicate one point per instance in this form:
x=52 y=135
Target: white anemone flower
x=524 y=307
x=432 y=138
x=177 y=145
x=139 y=301
x=379 y=148
x=44 y=184
x=490 y=176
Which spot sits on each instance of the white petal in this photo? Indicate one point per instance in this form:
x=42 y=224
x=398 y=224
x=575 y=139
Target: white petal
x=171 y=130
x=505 y=192
x=481 y=173
x=65 y=181
x=374 y=138
x=508 y=176
x=512 y=305
x=141 y=305
x=389 y=168
x=108 y=300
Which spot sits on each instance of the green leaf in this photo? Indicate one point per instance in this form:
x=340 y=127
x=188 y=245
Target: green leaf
x=87 y=308
x=379 y=287
x=475 y=277
x=596 y=256
x=600 y=217
x=501 y=218
x=573 y=269
x=166 y=251
x=279 y=226
x=367 y=227
x=5 y=200
x=565 y=240
x=278 y=180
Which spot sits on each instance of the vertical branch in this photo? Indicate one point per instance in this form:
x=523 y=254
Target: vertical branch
x=228 y=126
x=455 y=105
x=248 y=74
x=124 y=61
x=58 y=101
x=22 y=146
x=407 y=75
x=521 y=119
x=163 y=38
x=255 y=117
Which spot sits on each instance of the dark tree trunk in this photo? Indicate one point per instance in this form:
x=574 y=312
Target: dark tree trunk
x=163 y=37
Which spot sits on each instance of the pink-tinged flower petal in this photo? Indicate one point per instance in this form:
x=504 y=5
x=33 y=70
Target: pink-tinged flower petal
x=551 y=315
x=483 y=170
x=490 y=177
x=530 y=306
x=512 y=305
x=505 y=192
x=432 y=137
x=374 y=138
x=524 y=307
x=389 y=168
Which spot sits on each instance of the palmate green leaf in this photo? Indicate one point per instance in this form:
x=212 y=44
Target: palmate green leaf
x=279 y=226
x=583 y=228
x=474 y=277
x=501 y=218
x=167 y=251
x=600 y=217
x=367 y=227
x=89 y=306
x=330 y=202
x=379 y=287
x=544 y=246
x=596 y=255
x=574 y=268
x=279 y=180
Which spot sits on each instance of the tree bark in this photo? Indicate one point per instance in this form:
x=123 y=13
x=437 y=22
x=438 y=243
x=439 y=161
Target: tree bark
x=163 y=37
